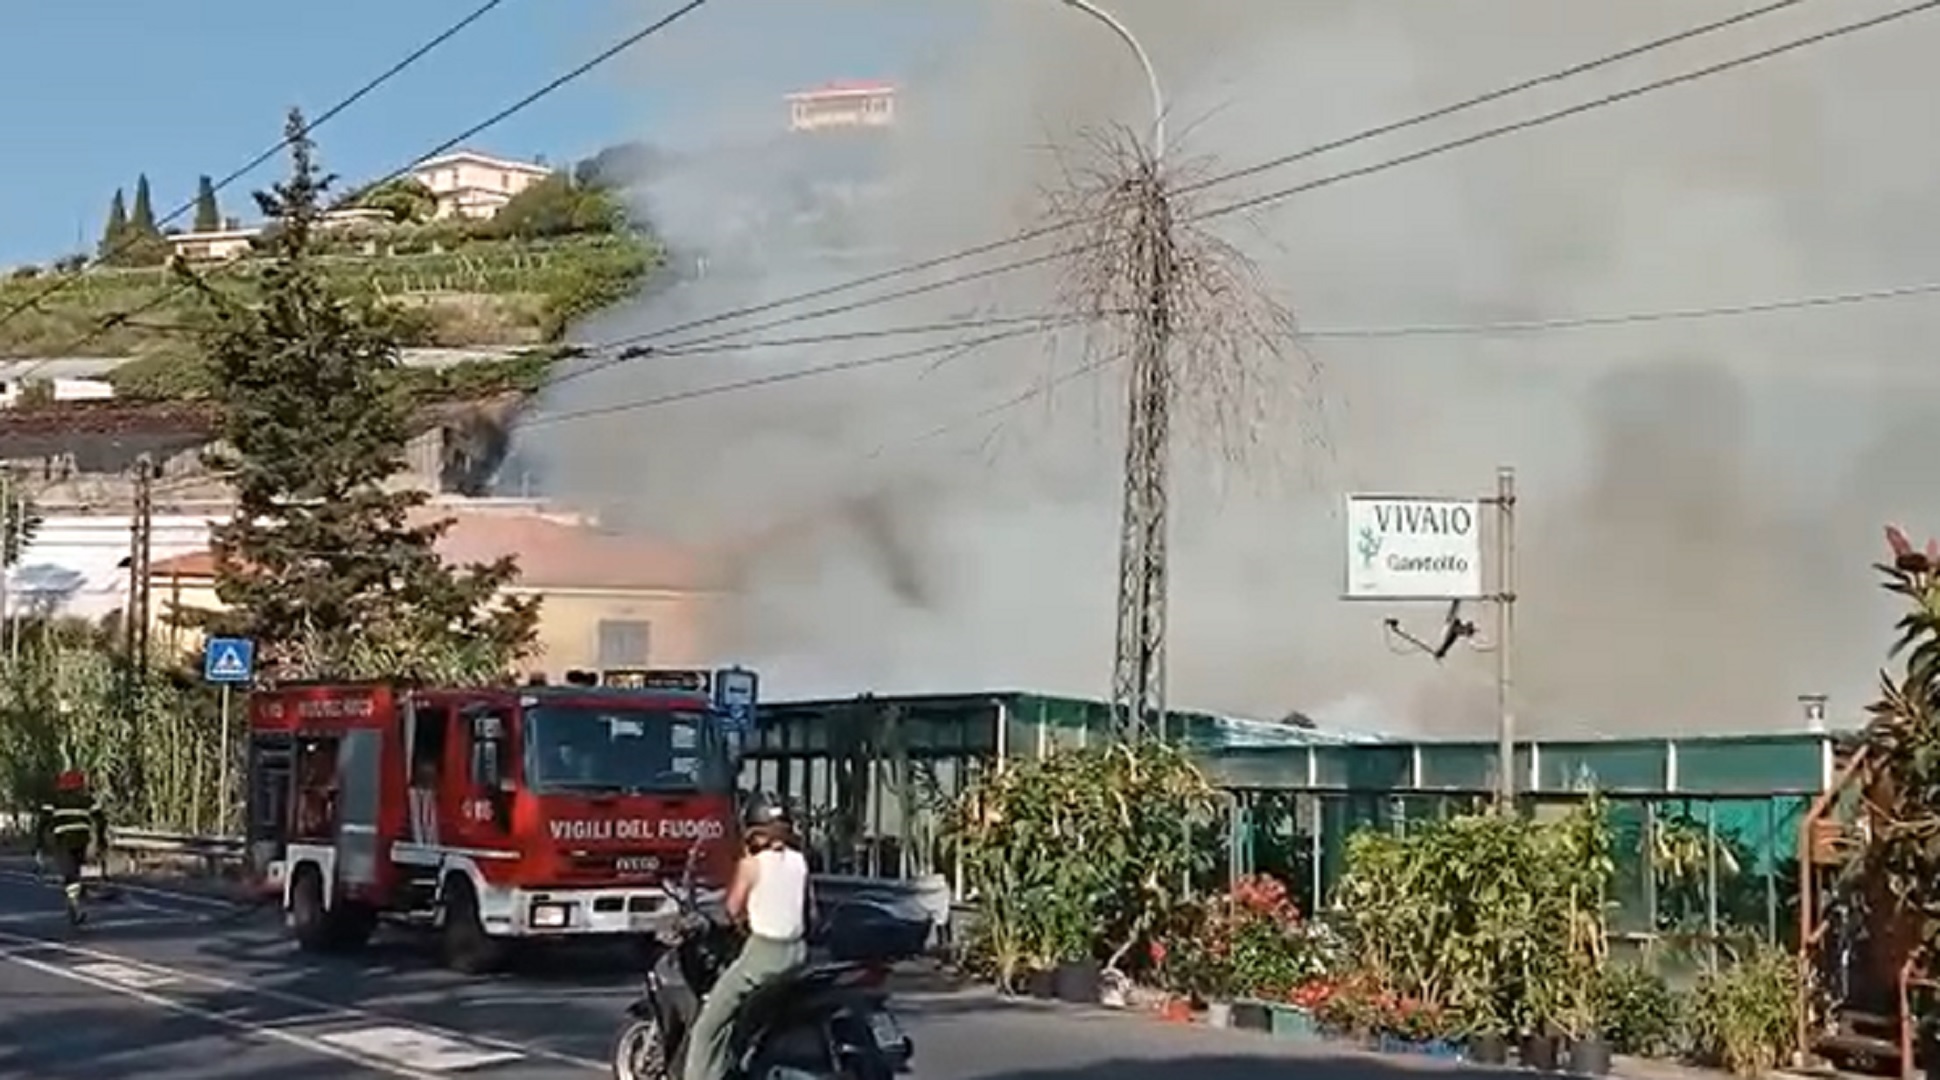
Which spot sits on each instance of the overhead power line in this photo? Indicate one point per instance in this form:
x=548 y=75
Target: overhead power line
x=1040 y=232
x=122 y=247
x=499 y=117
x=1332 y=179
x=1542 y=119
x=792 y=375
x=1628 y=318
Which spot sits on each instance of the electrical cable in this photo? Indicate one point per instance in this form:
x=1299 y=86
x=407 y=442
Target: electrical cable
x=1629 y=318
x=598 y=60
x=1541 y=119
x=411 y=58
x=1343 y=142
x=1434 y=150
x=779 y=377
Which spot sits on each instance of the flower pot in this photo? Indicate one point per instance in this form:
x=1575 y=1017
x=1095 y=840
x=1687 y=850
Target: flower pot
x=1488 y=1049
x=1296 y=1024
x=1176 y=1011
x=1539 y=1052
x=1219 y=1014
x=1590 y=1056
x=1252 y=1016
x=1076 y=981
x=1041 y=984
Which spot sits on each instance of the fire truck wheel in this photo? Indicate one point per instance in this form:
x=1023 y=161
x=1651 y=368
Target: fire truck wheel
x=320 y=929
x=468 y=948
x=309 y=921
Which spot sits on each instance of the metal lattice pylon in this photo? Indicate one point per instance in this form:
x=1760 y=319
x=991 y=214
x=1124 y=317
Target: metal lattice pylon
x=1138 y=674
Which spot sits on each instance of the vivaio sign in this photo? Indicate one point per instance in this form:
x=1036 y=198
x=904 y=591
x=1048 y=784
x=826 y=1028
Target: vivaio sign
x=1403 y=547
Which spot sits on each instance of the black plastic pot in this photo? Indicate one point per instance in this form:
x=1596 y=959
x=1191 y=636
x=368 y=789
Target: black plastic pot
x=1077 y=981
x=1252 y=1016
x=1590 y=1056
x=1540 y=1052
x=1489 y=1049
x=1041 y=984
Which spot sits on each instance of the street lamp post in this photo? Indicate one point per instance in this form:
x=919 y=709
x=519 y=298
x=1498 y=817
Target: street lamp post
x=1144 y=61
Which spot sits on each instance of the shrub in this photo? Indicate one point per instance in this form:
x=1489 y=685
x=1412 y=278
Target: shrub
x=1745 y=1017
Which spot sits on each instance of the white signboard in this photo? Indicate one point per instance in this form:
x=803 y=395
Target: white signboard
x=1401 y=547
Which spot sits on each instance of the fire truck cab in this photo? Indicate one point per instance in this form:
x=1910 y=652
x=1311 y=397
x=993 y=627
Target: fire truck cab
x=492 y=815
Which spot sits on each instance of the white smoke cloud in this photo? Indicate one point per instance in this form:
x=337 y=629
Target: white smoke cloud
x=1700 y=499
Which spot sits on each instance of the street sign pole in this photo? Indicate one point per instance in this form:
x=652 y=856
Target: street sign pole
x=226 y=662
x=222 y=773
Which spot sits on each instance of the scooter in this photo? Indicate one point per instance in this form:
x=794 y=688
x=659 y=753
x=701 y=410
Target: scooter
x=827 y=1021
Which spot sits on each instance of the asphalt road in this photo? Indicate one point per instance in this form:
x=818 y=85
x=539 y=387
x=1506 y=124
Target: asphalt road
x=168 y=985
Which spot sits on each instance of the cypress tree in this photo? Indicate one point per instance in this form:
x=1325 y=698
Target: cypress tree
x=141 y=220
x=322 y=563
x=208 y=215
x=115 y=233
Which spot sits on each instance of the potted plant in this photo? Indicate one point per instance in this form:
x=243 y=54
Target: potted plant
x=1744 y=1017
x=1541 y=1045
x=1589 y=1048
x=1485 y=1036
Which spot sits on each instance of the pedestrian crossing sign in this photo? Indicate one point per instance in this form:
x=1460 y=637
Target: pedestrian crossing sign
x=228 y=660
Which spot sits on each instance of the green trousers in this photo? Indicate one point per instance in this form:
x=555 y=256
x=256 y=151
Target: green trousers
x=761 y=960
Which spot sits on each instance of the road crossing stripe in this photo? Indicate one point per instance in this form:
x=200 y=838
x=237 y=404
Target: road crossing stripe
x=260 y=1031
x=322 y=1011
x=416 y=1049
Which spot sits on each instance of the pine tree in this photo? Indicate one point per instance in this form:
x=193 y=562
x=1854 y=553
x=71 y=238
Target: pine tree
x=141 y=219
x=208 y=214
x=115 y=233
x=322 y=565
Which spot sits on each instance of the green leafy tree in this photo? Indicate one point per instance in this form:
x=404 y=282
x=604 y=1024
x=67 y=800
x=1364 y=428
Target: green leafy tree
x=405 y=199
x=208 y=212
x=559 y=206
x=322 y=565
x=115 y=233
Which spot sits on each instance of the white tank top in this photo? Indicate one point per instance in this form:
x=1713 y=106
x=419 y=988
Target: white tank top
x=778 y=903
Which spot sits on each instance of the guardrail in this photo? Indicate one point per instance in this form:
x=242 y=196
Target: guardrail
x=928 y=897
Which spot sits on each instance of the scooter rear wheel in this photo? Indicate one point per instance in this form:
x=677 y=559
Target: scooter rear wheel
x=640 y=1052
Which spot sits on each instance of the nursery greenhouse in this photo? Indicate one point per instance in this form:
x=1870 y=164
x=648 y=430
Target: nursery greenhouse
x=1706 y=827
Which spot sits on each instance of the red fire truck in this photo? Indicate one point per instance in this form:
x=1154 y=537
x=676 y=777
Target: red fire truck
x=491 y=815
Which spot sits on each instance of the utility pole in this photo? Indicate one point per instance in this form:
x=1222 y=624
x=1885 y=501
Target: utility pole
x=1138 y=669
x=1505 y=633
x=144 y=554
x=140 y=546
x=1138 y=676
x=8 y=552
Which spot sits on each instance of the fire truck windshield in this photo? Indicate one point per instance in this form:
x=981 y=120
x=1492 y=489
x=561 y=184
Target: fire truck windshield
x=630 y=751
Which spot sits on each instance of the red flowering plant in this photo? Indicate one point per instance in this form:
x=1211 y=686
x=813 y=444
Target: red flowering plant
x=1274 y=950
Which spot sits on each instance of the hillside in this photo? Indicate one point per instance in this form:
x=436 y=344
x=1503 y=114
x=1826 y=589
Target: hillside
x=475 y=292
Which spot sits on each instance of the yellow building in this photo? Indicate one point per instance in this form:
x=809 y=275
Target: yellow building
x=609 y=600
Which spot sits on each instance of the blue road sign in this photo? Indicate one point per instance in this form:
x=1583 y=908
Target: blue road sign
x=228 y=660
x=734 y=694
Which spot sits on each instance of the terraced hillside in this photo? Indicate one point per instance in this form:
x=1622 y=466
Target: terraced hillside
x=478 y=293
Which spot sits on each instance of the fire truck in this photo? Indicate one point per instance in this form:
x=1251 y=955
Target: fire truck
x=492 y=815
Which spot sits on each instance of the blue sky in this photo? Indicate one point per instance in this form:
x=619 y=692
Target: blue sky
x=95 y=92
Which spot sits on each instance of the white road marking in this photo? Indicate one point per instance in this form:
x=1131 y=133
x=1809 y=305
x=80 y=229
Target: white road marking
x=31 y=917
x=123 y=975
x=216 y=903
x=415 y=1049
x=321 y=1011
x=257 y=1031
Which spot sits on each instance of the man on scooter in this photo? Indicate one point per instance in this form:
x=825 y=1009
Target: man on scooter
x=769 y=897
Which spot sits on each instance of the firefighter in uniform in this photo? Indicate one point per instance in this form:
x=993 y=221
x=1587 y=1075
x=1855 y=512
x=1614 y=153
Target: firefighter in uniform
x=68 y=822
